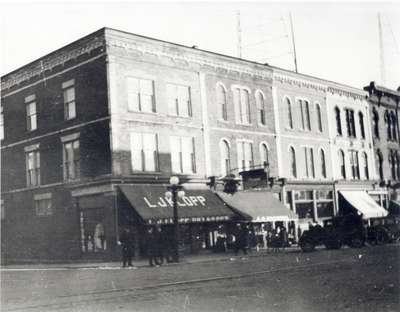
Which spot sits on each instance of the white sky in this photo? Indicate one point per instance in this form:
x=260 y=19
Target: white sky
x=334 y=40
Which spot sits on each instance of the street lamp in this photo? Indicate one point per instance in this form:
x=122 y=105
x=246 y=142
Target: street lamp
x=175 y=191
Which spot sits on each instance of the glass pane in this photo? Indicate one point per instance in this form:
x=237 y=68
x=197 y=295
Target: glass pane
x=187 y=150
x=69 y=95
x=325 y=210
x=183 y=99
x=245 y=106
x=71 y=110
x=146 y=86
x=171 y=96
x=136 y=151
x=133 y=93
x=149 y=147
x=305 y=210
x=175 y=147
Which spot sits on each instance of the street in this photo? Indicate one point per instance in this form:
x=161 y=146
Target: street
x=365 y=279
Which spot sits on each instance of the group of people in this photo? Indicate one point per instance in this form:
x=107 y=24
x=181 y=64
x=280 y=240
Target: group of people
x=158 y=246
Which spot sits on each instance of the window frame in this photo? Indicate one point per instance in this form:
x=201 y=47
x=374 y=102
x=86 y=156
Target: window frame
x=222 y=105
x=225 y=159
x=140 y=95
x=293 y=161
x=66 y=86
x=75 y=162
x=289 y=116
x=178 y=104
x=31 y=101
x=180 y=154
x=33 y=178
x=239 y=105
x=319 y=116
x=142 y=152
x=261 y=107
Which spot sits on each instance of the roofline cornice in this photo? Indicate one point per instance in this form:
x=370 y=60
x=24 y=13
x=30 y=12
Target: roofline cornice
x=282 y=77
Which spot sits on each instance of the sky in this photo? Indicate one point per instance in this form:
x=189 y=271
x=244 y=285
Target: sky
x=337 y=41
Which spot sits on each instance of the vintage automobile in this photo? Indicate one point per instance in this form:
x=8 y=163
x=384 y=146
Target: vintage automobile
x=384 y=230
x=341 y=230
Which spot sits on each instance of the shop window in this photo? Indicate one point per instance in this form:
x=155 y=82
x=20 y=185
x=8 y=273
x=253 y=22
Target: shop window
x=242 y=105
x=221 y=102
x=69 y=99
x=141 y=95
x=305 y=210
x=304 y=195
x=93 y=234
x=144 y=151
x=225 y=158
x=338 y=121
x=245 y=155
x=361 y=120
x=43 y=205
x=325 y=209
x=31 y=114
x=293 y=166
x=260 y=103
x=323 y=194
x=183 y=156
x=32 y=157
x=319 y=116
x=375 y=123
x=179 y=100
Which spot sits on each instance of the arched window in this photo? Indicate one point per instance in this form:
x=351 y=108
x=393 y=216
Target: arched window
x=323 y=163
x=361 y=120
x=342 y=164
x=289 y=113
x=388 y=126
x=375 y=123
x=264 y=154
x=225 y=158
x=398 y=164
x=293 y=167
x=319 y=116
x=260 y=108
x=392 y=164
x=365 y=165
x=355 y=168
x=379 y=165
x=394 y=125
x=338 y=121
x=221 y=102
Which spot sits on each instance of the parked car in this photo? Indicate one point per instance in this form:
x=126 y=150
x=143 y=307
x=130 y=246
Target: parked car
x=341 y=230
x=384 y=230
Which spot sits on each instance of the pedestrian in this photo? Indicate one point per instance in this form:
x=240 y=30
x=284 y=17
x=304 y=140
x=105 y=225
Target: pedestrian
x=126 y=240
x=283 y=238
x=167 y=244
x=152 y=246
x=159 y=240
x=242 y=239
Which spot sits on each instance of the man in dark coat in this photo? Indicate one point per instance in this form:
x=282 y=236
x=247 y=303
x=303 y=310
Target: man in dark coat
x=242 y=239
x=128 y=246
x=153 y=246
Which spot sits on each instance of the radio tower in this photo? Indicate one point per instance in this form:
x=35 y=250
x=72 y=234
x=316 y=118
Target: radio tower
x=381 y=54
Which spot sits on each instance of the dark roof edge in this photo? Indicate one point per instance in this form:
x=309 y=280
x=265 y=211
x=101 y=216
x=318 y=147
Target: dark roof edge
x=373 y=86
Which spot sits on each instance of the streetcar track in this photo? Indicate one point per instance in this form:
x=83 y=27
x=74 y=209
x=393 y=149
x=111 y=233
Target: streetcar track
x=131 y=291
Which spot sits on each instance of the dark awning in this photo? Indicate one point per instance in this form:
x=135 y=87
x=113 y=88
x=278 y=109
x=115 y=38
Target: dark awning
x=259 y=206
x=150 y=202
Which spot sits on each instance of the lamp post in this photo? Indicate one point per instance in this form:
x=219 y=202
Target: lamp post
x=175 y=191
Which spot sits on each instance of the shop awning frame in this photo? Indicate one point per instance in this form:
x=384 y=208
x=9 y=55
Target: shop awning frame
x=364 y=203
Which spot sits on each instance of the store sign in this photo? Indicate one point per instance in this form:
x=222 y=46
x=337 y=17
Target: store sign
x=185 y=201
x=189 y=220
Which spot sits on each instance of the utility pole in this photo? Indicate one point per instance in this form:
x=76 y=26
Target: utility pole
x=381 y=54
x=239 y=35
x=293 y=43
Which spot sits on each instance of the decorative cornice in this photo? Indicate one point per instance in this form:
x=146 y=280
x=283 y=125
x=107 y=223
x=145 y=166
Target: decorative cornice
x=47 y=63
x=355 y=94
x=184 y=57
x=301 y=83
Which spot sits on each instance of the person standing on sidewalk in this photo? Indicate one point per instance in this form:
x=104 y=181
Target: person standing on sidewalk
x=127 y=242
x=242 y=239
x=152 y=246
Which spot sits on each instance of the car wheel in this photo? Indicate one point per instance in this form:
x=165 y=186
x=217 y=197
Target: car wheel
x=307 y=246
x=356 y=242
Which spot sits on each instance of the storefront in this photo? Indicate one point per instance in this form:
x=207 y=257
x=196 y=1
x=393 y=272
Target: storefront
x=265 y=212
x=203 y=217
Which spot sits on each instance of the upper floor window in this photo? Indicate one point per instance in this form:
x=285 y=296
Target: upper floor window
x=393 y=163
x=144 y=152
x=379 y=164
x=388 y=126
x=43 y=204
x=221 y=102
x=361 y=119
x=351 y=127
x=225 y=158
x=338 y=121
x=32 y=156
x=183 y=156
x=319 y=116
x=365 y=165
x=245 y=155
x=355 y=168
x=71 y=160
x=375 y=123
x=264 y=157
x=293 y=166
x=31 y=115
x=141 y=95
x=342 y=164
x=394 y=124
x=179 y=101
x=69 y=99
x=1 y=123
x=242 y=105
x=323 y=163
x=289 y=113
x=309 y=162
x=305 y=114
x=260 y=102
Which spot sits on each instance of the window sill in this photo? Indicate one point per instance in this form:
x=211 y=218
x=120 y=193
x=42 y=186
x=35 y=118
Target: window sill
x=145 y=113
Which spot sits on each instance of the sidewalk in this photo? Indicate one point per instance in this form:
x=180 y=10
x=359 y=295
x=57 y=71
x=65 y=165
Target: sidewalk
x=141 y=263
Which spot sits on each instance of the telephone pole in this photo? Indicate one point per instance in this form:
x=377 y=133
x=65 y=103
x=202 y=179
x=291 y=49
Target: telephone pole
x=239 y=35
x=381 y=53
x=293 y=43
